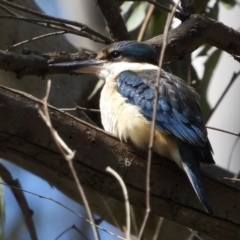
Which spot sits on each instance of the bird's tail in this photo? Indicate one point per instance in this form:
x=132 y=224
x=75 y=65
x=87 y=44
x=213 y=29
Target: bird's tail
x=192 y=168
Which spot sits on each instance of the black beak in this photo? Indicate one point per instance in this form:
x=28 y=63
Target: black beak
x=89 y=66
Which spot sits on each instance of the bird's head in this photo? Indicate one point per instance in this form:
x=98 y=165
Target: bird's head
x=128 y=51
x=115 y=58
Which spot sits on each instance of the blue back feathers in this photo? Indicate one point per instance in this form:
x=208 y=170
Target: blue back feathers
x=178 y=112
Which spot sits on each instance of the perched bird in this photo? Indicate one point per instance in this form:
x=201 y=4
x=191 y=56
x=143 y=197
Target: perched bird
x=130 y=71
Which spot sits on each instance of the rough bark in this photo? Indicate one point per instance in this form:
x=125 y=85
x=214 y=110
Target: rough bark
x=25 y=140
x=194 y=32
x=184 y=39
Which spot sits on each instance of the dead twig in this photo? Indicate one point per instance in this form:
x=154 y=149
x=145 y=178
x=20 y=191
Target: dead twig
x=153 y=125
x=68 y=154
x=95 y=35
x=83 y=236
x=35 y=38
x=159 y=5
x=76 y=106
x=224 y=131
x=62 y=205
x=21 y=200
x=158 y=228
x=233 y=79
x=127 y=205
x=56 y=25
x=145 y=22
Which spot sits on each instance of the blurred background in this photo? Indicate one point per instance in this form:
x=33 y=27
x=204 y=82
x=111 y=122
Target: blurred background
x=211 y=73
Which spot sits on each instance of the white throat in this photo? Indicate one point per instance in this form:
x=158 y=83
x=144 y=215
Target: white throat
x=111 y=70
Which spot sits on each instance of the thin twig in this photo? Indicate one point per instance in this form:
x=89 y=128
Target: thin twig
x=68 y=155
x=55 y=25
x=224 y=131
x=134 y=224
x=236 y=57
x=155 y=3
x=174 y=5
x=152 y=134
x=231 y=154
x=81 y=191
x=83 y=236
x=158 y=5
x=60 y=20
x=81 y=109
x=62 y=205
x=237 y=175
x=234 y=77
x=232 y=179
x=158 y=228
x=35 y=38
x=110 y=212
x=194 y=235
x=189 y=69
x=21 y=199
x=145 y=22
x=76 y=106
x=8 y=11
x=85 y=117
x=125 y=194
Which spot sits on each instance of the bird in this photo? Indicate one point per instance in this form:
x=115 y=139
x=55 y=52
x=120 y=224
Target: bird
x=130 y=71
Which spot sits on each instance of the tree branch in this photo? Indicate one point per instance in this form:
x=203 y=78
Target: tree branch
x=21 y=199
x=84 y=29
x=115 y=24
x=25 y=140
x=188 y=7
x=58 y=26
x=184 y=39
x=194 y=32
x=34 y=63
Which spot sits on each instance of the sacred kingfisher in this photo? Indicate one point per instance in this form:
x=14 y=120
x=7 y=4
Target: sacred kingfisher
x=130 y=71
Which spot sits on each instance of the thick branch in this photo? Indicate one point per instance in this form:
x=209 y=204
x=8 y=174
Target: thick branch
x=114 y=21
x=184 y=39
x=32 y=63
x=25 y=140
x=194 y=32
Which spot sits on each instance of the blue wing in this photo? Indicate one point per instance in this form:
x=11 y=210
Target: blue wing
x=178 y=112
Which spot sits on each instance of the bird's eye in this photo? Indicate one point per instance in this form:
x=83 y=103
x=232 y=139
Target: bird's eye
x=115 y=55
